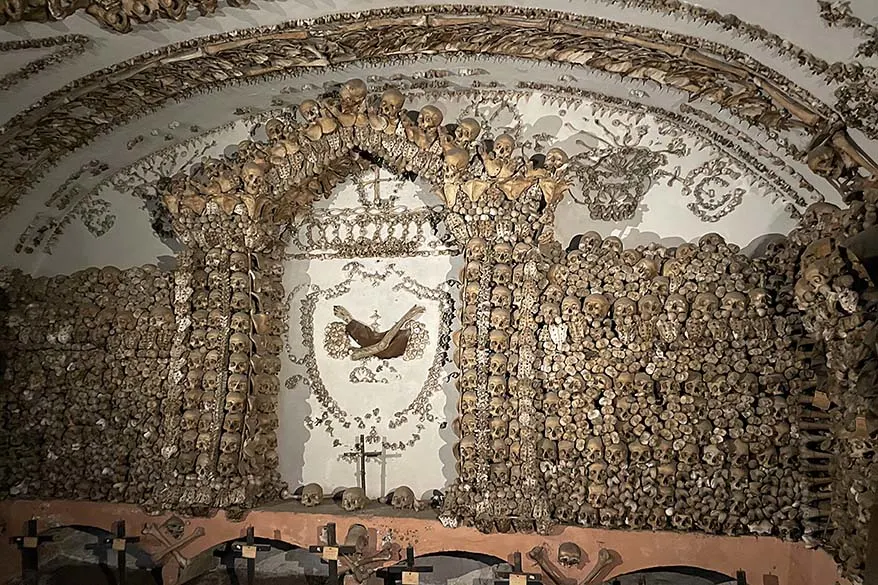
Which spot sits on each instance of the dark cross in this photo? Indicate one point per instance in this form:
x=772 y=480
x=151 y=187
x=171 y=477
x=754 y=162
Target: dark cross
x=406 y=573
x=118 y=543
x=517 y=576
x=241 y=550
x=741 y=578
x=28 y=545
x=360 y=451
x=330 y=552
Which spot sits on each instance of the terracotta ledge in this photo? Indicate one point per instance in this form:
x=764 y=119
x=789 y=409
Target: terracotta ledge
x=790 y=563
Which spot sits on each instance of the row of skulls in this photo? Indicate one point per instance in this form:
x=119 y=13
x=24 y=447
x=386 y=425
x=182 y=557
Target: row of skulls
x=87 y=364
x=231 y=385
x=301 y=160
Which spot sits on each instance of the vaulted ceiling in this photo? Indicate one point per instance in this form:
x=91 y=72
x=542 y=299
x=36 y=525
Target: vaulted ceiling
x=681 y=119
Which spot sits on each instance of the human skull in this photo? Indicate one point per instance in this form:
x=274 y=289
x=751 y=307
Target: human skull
x=594 y=449
x=547 y=450
x=520 y=252
x=352 y=95
x=403 y=498
x=188 y=440
x=253 y=176
x=639 y=453
x=624 y=308
x=429 y=118
x=498 y=451
x=501 y=296
x=230 y=442
x=498 y=428
x=239 y=343
x=612 y=245
x=712 y=455
x=310 y=111
x=190 y=420
x=235 y=402
x=471 y=293
x=597 y=495
x=202 y=465
x=467 y=447
x=233 y=422
x=646 y=269
x=497 y=364
x=353 y=499
x=475 y=248
x=555 y=159
x=498 y=340
x=240 y=322
x=391 y=103
x=649 y=306
x=467 y=131
x=500 y=318
x=589 y=241
x=570 y=307
x=504 y=145
x=468 y=402
x=596 y=306
x=597 y=472
x=312 y=495
x=617 y=454
x=553 y=293
x=239 y=363
x=502 y=274
x=496 y=385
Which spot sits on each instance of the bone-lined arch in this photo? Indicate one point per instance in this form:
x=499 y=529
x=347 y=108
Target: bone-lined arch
x=48 y=130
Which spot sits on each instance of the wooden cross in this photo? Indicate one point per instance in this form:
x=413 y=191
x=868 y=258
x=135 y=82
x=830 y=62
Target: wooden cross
x=118 y=543
x=406 y=573
x=517 y=576
x=241 y=550
x=360 y=451
x=28 y=545
x=330 y=551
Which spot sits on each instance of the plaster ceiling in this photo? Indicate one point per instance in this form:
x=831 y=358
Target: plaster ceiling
x=692 y=167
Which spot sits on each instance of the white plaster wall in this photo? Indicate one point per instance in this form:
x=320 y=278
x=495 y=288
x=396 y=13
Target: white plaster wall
x=405 y=410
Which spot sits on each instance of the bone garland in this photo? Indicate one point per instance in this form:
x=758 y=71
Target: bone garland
x=64 y=46
x=572 y=35
x=113 y=14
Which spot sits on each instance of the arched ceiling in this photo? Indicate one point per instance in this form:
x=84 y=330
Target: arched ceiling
x=703 y=127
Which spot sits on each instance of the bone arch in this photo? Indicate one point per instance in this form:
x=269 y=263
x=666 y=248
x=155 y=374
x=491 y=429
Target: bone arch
x=231 y=213
x=502 y=32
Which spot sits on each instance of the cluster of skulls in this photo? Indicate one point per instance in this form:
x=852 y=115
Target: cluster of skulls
x=670 y=383
x=304 y=152
x=231 y=385
x=836 y=297
x=88 y=361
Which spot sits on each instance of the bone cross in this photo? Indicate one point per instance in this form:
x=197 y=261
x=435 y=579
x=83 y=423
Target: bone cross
x=171 y=547
x=539 y=555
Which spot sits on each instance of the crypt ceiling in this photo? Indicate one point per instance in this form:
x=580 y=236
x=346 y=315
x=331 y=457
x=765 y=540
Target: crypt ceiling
x=704 y=127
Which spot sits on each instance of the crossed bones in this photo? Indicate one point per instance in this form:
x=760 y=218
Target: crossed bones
x=539 y=555
x=171 y=547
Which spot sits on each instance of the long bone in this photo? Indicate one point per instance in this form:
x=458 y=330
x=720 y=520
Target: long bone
x=605 y=559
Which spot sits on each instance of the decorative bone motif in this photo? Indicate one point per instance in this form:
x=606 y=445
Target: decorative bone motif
x=171 y=546
x=385 y=345
x=540 y=556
